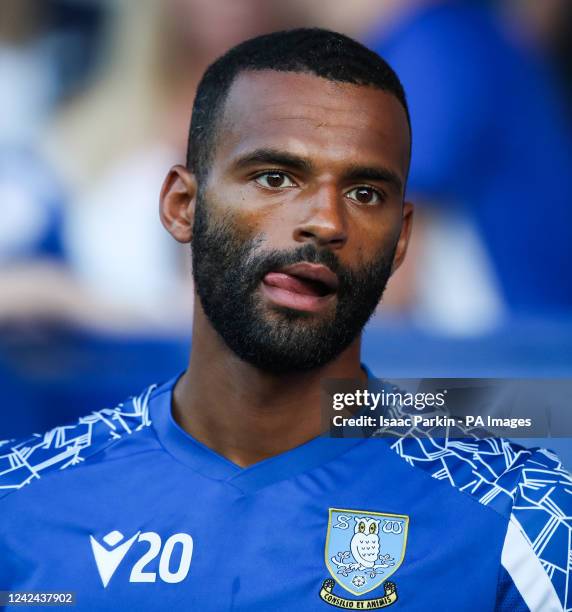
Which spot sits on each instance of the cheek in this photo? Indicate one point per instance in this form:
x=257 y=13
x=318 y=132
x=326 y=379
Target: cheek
x=369 y=240
x=271 y=218
x=233 y=207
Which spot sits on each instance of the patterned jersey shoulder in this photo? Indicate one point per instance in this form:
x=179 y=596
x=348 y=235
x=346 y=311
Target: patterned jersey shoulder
x=494 y=471
x=24 y=461
x=530 y=487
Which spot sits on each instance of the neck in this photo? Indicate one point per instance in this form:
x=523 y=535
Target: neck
x=246 y=414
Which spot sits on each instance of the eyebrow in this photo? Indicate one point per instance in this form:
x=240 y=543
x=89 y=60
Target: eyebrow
x=367 y=173
x=275 y=157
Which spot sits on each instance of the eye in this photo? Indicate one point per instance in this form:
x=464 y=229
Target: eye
x=365 y=195
x=275 y=180
x=372 y=528
x=361 y=527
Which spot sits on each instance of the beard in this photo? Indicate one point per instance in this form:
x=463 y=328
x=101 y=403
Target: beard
x=228 y=269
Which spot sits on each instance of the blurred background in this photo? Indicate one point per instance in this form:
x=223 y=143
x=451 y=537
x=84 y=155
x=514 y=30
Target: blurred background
x=95 y=101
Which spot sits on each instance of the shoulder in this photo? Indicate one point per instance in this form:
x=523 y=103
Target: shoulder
x=27 y=460
x=495 y=471
x=531 y=488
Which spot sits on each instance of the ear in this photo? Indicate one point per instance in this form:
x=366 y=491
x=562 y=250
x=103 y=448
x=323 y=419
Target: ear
x=405 y=234
x=177 y=203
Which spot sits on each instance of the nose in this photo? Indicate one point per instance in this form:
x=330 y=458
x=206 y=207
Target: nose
x=323 y=220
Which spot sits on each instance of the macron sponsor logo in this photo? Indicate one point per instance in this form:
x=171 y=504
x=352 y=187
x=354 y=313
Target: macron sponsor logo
x=108 y=559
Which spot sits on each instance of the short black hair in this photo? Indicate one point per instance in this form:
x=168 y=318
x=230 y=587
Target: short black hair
x=326 y=54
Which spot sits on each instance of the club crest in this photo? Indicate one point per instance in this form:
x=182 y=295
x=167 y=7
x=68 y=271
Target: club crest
x=363 y=549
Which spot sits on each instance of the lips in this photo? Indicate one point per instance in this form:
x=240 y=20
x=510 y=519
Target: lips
x=302 y=286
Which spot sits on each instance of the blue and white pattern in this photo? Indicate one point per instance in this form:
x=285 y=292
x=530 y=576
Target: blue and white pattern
x=530 y=487
x=63 y=447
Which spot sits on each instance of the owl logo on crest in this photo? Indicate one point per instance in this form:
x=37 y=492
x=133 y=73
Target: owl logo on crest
x=365 y=542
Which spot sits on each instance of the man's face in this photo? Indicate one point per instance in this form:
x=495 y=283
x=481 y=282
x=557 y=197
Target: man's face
x=300 y=220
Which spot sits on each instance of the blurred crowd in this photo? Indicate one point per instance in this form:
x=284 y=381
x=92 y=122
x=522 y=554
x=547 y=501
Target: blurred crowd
x=95 y=101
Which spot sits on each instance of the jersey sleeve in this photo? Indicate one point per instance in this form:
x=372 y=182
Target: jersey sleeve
x=536 y=560
x=27 y=460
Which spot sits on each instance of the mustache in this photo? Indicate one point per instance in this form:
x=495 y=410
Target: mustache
x=260 y=264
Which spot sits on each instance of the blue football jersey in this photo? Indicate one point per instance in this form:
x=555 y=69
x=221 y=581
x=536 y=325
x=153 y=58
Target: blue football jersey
x=129 y=512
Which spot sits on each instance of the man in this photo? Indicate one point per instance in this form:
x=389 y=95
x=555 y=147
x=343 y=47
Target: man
x=215 y=491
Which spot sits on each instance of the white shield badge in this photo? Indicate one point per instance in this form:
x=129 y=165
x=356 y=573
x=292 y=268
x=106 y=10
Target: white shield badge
x=363 y=549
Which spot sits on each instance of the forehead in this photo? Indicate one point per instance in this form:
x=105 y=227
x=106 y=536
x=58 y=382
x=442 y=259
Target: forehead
x=328 y=121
